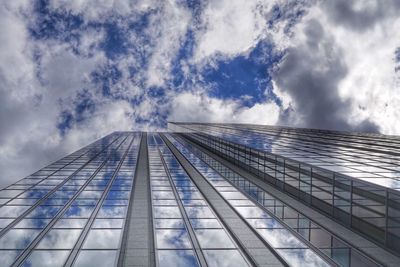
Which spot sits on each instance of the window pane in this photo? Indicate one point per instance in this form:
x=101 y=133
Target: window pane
x=214 y=238
x=178 y=258
x=102 y=239
x=96 y=258
x=17 y=238
x=59 y=239
x=108 y=223
x=43 y=258
x=231 y=258
x=169 y=223
x=172 y=239
x=70 y=223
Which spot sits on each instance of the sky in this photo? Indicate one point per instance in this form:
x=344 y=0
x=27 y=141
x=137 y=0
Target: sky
x=72 y=71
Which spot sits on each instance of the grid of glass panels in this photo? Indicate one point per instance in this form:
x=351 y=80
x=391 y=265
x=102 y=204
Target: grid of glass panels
x=60 y=211
x=373 y=158
x=370 y=209
x=182 y=216
x=291 y=248
x=339 y=251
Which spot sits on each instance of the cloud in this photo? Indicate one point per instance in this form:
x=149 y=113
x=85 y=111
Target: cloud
x=341 y=77
x=199 y=107
x=310 y=73
x=168 y=36
x=230 y=28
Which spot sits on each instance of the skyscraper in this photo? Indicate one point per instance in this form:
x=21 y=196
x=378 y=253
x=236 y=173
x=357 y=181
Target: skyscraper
x=210 y=195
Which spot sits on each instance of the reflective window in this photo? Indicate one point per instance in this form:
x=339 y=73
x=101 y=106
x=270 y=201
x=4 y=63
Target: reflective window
x=96 y=258
x=172 y=239
x=178 y=258
x=43 y=258
x=59 y=239
x=102 y=239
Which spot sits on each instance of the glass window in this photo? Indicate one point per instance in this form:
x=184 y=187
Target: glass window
x=108 y=223
x=112 y=212
x=70 y=223
x=213 y=238
x=205 y=223
x=302 y=257
x=18 y=238
x=33 y=223
x=280 y=238
x=231 y=258
x=78 y=212
x=96 y=258
x=199 y=212
x=174 y=239
x=166 y=212
x=12 y=211
x=177 y=258
x=43 y=258
x=5 y=222
x=59 y=239
x=9 y=256
x=169 y=223
x=103 y=239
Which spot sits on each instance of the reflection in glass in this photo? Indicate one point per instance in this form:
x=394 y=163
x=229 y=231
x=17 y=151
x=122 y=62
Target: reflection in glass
x=43 y=258
x=12 y=211
x=17 y=238
x=302 y=257
x=108 y=239
x=169 y=223
x=8 y=257
x=176 y=258
x=213 y=238
x=112 y=211
x=172 y=239
x=205 y=223
x=228 y=258
x=108 y=223
x=32 y=223
x=166 y=212
x=265 y=223
x=59 y=239
x=96 y=258
x=280 y=238
x=70 y=223
x=44 y=212
x=5 y=222
x=199 y=212
x=78 y=212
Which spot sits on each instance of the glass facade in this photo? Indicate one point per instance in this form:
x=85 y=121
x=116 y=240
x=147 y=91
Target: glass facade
x=353 y=178
x=206 y=191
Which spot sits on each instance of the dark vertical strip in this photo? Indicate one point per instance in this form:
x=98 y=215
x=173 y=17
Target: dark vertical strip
x=138 y=243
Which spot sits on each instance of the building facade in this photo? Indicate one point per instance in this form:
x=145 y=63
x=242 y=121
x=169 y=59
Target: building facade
x=210 y=195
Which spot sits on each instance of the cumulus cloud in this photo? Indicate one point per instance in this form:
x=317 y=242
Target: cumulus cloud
x=230 y=28
x=199 y=107
x=340 y=72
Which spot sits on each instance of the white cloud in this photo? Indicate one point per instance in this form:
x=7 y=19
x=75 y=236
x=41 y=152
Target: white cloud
x=367 y=42
x=230 y=28
x=198 y=107
x=168 y=30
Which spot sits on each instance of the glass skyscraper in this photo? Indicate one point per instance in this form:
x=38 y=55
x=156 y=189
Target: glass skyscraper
x=210 y=195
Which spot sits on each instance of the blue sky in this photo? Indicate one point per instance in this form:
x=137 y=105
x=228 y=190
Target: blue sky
x=74 y=71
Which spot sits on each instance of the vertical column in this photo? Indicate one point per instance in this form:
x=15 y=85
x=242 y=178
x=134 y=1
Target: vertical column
x=137 y=245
